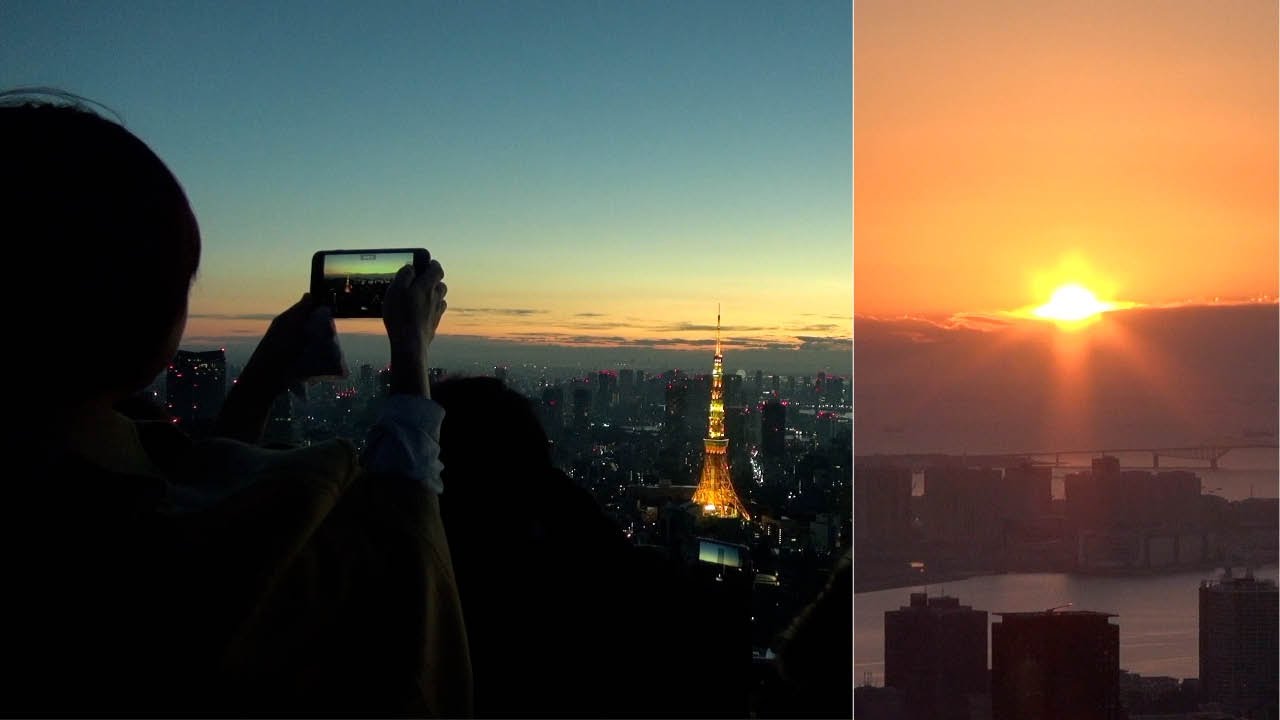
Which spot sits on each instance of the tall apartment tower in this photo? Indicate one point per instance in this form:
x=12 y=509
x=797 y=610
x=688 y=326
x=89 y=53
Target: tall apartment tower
x=935 y=653
x=1055 y=666
x=1238 y=644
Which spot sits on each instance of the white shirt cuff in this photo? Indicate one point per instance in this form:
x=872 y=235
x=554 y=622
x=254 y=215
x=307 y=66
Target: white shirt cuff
x=406 y=441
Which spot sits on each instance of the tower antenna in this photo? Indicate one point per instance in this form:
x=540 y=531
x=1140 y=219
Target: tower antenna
x=718 y=329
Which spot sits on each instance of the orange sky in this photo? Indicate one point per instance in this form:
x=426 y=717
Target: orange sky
x=1004 y=147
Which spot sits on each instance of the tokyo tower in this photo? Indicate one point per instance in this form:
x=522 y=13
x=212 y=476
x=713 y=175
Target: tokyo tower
x=715 y=491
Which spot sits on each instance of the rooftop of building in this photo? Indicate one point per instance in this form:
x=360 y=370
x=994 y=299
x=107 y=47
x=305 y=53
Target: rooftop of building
x=1054 y=613
x=1246 y=583
x=922 y=601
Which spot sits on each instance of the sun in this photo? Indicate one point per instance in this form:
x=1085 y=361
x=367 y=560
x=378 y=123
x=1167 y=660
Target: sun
x=1072 y=303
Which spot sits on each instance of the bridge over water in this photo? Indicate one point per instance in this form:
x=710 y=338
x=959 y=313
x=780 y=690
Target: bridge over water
x=1207 y=452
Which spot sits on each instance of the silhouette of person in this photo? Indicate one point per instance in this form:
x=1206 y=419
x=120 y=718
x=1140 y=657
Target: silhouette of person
x=564 y=616
x=147 y=573
x=540 y=567
x=815 y=654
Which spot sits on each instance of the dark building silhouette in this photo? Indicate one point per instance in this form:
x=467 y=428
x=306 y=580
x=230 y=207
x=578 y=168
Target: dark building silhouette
x=882 y=504
x=758 y=385
x=835 y=390
x=878 y=703
x=581 y=408
x=195 y=386
x=696 y=411
x=1055 y=666
x=773 y=430
x=1028 y=490
x=368 y=383
x=935 y=653
x=676 y=407
x=552 y=411
x=733 y=390
x=1090 y=496
x=606 y=397
x=626 y=384
x=1239 y=644
x=963 y=505
x=1134 y=518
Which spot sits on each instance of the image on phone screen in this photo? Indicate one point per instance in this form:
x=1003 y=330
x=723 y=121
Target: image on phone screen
x=354 y=284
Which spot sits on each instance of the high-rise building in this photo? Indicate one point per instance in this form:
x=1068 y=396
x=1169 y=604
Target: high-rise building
x=825 y=425
x=1091 y=496
x=773 y=430
x=195 y=386
x=1027 y=490
x=881 y=505
x=696 y=412
x=626 y=384
x=935 y=652
x=606 y=397
x=581 y=408
x=835 y=390
x=500 y=372
x=960 y=506
x=733 y=390
x=1238 y=644
x=715 y=493
x=675 y=408
x=552 y=410
x=758 y=385
x=1062 y=665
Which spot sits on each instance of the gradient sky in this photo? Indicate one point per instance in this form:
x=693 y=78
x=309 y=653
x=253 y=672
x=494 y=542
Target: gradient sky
x=584 y=171
x=1003 y=147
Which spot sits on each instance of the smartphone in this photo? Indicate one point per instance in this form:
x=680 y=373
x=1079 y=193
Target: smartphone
x=354 y=282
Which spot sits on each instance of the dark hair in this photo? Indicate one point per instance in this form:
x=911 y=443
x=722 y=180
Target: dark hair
x=94 y=217
x=489 y=430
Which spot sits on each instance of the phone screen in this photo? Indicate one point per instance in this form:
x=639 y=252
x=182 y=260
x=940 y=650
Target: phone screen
x=355 y=283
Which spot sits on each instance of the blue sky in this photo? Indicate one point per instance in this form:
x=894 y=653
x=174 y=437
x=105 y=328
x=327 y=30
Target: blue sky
x=639 y=160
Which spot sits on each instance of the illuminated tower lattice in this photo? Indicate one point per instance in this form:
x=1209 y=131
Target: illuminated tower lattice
x=715 y=491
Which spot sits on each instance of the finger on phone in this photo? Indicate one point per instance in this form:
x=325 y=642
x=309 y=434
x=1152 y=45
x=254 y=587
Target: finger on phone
x=435 y=270
x=403 y=278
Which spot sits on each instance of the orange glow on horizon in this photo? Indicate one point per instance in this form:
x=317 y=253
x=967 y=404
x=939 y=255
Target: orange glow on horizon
x=990 y=135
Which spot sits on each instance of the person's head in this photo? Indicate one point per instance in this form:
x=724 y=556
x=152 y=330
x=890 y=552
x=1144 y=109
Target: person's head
x=490 y=434
x=104 y=246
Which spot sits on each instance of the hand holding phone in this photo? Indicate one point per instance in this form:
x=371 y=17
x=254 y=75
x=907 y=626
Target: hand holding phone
x=415 y=304
x=354 y=282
